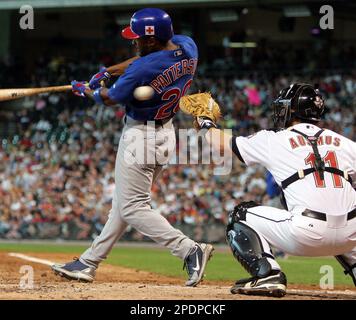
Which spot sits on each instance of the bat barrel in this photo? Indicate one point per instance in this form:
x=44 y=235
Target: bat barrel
x=17 y=93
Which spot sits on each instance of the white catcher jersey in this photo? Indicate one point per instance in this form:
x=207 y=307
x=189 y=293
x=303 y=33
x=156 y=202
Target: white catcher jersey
x=283 y=153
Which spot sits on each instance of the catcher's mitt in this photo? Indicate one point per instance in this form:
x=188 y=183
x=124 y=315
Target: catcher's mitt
x=200 y=105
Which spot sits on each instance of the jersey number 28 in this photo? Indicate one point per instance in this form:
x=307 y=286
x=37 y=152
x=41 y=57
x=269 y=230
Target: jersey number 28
x=172 y=96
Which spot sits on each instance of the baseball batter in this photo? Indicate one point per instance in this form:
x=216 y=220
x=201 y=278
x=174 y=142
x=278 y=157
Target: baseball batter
x=167 y=63
x=314 y=168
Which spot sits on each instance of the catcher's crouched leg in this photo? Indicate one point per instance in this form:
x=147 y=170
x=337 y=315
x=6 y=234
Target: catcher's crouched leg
x=254 y=254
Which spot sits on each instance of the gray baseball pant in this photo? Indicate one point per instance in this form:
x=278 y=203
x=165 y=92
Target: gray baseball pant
x=143 y=150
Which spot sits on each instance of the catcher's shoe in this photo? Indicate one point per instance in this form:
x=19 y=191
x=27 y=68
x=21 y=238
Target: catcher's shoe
x=353 y=274
x=196 y=261
x=75 y=270
x=273 y=285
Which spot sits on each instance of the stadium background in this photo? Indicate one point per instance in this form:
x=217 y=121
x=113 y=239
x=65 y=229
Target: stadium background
x=57 y=151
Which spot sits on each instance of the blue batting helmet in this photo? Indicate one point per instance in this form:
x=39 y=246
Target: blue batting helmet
x=149 y=22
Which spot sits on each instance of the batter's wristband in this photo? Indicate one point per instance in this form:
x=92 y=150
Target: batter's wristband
x=97 y=96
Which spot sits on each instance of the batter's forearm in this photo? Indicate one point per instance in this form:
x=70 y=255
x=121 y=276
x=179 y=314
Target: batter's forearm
x=89 y=93
x=104 y=98
x=119 y=69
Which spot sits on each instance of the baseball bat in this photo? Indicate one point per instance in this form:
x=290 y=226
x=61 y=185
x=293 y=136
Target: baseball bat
x=17 y=93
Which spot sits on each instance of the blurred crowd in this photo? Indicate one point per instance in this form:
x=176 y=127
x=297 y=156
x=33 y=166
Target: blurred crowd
x=317 y=57
x=246 y=100
x=57 y=163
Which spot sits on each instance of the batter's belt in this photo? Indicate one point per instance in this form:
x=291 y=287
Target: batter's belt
x=164 y=123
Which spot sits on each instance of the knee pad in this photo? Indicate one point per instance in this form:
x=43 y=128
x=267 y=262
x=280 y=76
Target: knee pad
x=239 y=212
x=246 y=244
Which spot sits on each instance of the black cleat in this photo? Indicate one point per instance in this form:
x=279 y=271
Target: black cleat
x=271 y=286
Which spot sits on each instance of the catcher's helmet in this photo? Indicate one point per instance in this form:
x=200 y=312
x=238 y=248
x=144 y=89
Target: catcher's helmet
x=298 y=101
x=149 y=22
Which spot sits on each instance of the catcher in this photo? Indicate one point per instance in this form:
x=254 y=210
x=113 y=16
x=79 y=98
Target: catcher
x=313 y=167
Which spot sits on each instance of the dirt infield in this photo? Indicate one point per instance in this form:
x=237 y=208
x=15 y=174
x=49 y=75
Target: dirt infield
x=113 y=282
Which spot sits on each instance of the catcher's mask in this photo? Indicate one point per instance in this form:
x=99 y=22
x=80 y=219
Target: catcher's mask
x=298 y=101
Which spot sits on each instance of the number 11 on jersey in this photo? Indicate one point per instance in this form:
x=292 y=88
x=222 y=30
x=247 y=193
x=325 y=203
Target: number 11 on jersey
x=331 y=159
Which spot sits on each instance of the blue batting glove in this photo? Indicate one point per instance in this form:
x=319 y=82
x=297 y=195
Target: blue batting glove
x=95 y=80
x=78 y=88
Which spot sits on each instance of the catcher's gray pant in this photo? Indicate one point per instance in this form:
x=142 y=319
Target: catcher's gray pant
x=143 y=150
